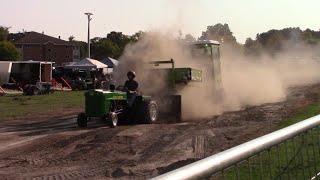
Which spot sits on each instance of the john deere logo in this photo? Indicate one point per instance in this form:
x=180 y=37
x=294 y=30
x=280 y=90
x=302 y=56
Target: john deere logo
x=117 y=97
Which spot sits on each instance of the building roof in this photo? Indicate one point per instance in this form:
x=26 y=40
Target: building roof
x=37 y=38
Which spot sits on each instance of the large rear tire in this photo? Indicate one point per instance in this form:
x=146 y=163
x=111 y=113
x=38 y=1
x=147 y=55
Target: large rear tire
x=148 y=112
x=82 y=120
x=35 y=91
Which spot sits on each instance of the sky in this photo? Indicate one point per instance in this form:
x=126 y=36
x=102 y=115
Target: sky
x=245 y=18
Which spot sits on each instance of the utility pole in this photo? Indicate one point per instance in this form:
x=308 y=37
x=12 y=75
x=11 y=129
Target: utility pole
x=89 y=19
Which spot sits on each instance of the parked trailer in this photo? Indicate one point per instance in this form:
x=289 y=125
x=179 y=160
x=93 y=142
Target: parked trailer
x=35 y=75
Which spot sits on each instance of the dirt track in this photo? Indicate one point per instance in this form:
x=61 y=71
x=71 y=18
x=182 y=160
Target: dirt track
x=52 y=147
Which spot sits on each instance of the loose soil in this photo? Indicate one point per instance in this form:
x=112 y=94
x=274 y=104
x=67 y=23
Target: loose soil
x=51 y=146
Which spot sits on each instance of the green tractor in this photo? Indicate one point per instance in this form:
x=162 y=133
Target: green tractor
x=112 y=106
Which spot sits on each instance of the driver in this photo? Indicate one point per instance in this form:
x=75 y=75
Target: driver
x=131 y=86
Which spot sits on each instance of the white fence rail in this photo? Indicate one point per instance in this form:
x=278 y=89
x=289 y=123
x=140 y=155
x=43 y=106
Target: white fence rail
x=290 y=153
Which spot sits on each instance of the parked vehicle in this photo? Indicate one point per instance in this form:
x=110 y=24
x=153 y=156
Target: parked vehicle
x=21 y=74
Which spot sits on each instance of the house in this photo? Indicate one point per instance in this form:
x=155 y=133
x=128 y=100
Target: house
x=40 y=47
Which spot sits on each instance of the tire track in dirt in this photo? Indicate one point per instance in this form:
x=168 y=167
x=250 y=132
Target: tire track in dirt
x=199 y=146
x=89 y=141
x=153 y=147
x=79 y=174
x=19 y=143
x=176 y=134
x=156 y=147
x=175 y=138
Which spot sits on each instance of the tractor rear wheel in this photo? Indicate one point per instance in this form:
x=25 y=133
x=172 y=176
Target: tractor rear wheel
x=82 y=120
x=35 y=91
x=148 y=112
x=113 y=119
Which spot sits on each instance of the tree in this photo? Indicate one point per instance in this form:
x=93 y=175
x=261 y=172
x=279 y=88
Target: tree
x=103 y=47
x=118 y=38
x=8 y=51
x=119 y=41
x=219 y=32
x=189 y=37
x=71 y=38
x=136 y=36
x=252 y=47
x=4 y=32
x=288 y=40
x=311 y=37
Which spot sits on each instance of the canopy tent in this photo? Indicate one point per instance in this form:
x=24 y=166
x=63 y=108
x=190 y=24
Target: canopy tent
x=110 y=62
x=87 y=63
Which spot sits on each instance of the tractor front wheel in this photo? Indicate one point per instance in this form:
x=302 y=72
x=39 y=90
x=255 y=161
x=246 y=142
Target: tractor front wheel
x=82 y=120
x=113 y=119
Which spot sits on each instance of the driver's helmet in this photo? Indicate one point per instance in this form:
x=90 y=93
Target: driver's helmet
x=131 y=73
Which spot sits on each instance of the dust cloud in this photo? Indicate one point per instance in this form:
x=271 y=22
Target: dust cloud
x=253 y=81
x=246 y=81
x=151 y=47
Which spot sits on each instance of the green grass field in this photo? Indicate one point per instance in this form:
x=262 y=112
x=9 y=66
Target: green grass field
x=19 y=105
x=305 y=113
x=300 y=160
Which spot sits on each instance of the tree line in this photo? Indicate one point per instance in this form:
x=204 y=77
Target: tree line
x=113 y=44
x=275 y=42
x=8 y=51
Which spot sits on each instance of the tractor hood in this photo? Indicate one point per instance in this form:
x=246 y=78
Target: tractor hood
x=115 y=95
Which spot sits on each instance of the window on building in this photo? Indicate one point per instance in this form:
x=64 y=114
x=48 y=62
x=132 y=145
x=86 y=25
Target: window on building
x=76 y=57
x=67 y=56
x=49 y=50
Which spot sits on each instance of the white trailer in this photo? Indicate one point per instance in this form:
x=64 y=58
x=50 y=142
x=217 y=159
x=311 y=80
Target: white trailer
x=29 y=72
x=5 y=69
